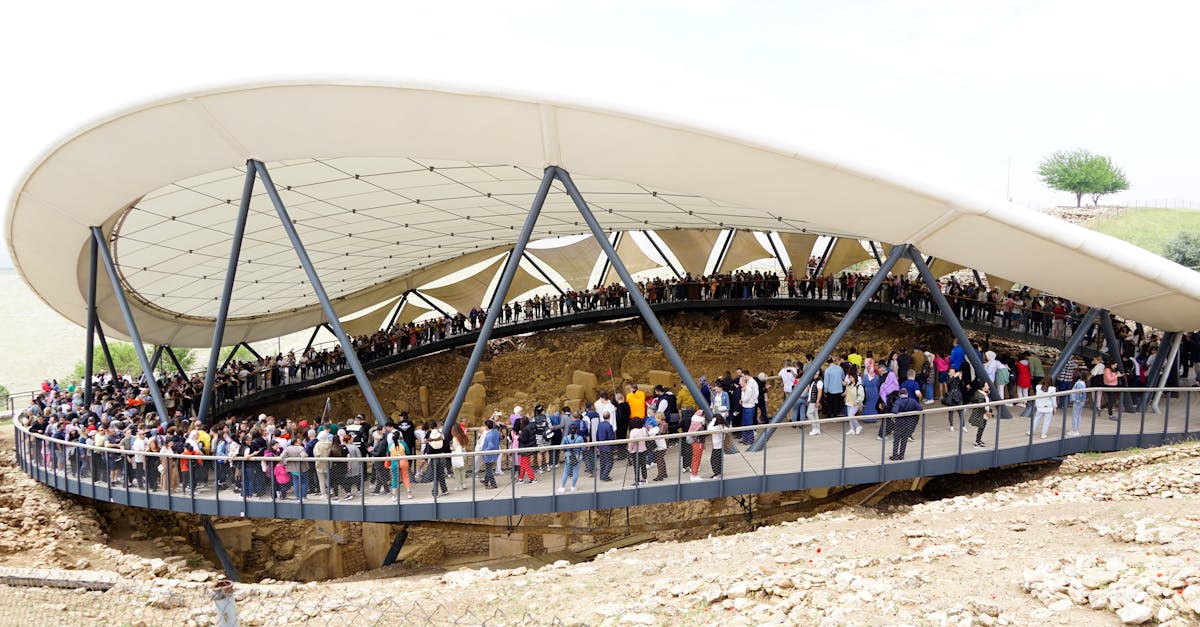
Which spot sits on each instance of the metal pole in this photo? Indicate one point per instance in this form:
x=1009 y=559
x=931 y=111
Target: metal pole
x=131 y=326
x=1086 y=323
x=1171 y=366
x=657 y=249
x=391 y=320
x=259 y=357
x=91 y=327
x=725 y=246
x=312 y=338
x=825 y=256
x=948 y=315
x=154 y=359
x=1110 y=338
x=112 y=368
x=431 y=303
x=775 y=249
x=175 y=360
x=542 y=272
x=1157 y=371
x=839 y=332
x=616 y=239
x=219 y=548
x=232 y=354
x=978 y=279
x=235 y=251
x=635 y=295
x=875 y=253
x=330 y=314
x=493 y=311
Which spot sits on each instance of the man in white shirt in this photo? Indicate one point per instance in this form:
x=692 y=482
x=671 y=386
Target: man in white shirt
x=749 y=404
x=606 y=409
x=788 y=376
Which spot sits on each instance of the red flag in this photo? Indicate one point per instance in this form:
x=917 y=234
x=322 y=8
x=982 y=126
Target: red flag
x=610 y=372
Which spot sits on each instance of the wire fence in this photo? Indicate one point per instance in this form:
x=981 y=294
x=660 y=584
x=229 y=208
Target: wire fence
x=163 y=602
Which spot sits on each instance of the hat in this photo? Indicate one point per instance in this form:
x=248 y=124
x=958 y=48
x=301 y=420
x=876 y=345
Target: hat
x=262 y=416
x=762 y=376
x=991 y=355
x=518 y=409
x=324 y=436
x=303 y=424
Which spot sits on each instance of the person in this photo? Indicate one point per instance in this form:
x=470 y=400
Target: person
x=491 y=442
x=574 y=456
x=834 y=389
x=980 y=415
x=749 y=405
x=434 y=445
x=458 y=446
x=605 y=433
x=1043 y=405
x=717 y=457
x=324 y=473
x=870 y=382
x=637 y=402
x=855 y=396
x=905 y=425
x=1024 y=377
x=637 y=449
x=955 y=396
x=697 y=444
x=1111 y=381
x=398 y=450
x=290 y=456
x=353 y=475
x=813 y=394
x=1077 y=399
x=657 y=447
x=526 y=441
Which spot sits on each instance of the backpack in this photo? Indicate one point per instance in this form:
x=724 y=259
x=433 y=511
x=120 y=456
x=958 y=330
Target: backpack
x=281 y=474
x=885 y=405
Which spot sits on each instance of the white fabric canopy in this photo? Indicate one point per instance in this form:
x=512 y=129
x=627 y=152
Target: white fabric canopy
x=845 y=253
x=903 y=264
x=384 y=181
x=744 y=249
x=369 y=322
x=632 y=256
x=692 y=247
x=573 y=262
x=467 y=292
x=799 y=247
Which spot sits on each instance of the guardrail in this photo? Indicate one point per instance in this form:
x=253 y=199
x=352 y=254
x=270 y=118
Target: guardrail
x=350 y=488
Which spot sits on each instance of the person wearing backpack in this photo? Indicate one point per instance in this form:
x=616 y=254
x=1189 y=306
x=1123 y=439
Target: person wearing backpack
x=855 y=395
x=573 y=457
x=542 y=435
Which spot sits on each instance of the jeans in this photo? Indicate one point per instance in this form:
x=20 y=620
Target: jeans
x=1076 y=415
x=747 y=420
x=489 y=474
x=571 y=472
x=1044 y=416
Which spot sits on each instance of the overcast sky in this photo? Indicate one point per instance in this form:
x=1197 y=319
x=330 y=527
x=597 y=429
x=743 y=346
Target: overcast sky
x=948 y=91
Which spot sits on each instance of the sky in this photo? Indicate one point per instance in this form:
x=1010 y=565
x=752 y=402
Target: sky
x=966 y=95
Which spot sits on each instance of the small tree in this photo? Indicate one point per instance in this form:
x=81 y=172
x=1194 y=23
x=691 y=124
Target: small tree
x=1082 y=172
x=1184 y=249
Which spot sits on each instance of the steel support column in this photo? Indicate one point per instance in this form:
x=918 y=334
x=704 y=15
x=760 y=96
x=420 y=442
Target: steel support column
x=131 y=327
x=219 y=548
x=657 y=249
x=155 y=358
x=616 y=239
x=1171 y=366
x=112 y=368
x=948 y=315
x=725 y=246
x=775 y=250
x=397 y=545
x=431 y=303
x=391 y=320
x=91 y=327
x=635 y=295
x=235 y=251
x=330 y=314
x=825 y=255
x=1110 y=338
x=1073 y=343
x=1155 y=378
x=175 y=360
x=875 y=253
x=312 y=338
x=231 y=355
x=544 y=274
x=250 y=348
x=839 y=332
x=497 y=302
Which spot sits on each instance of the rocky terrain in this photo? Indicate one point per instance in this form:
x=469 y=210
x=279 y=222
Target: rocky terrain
x=1101 y=539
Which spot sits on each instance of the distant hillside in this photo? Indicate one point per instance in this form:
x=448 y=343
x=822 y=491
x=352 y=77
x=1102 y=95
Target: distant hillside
x=1146 y=227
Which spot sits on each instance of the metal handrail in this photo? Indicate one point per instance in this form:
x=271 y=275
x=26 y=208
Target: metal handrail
x=661 y=437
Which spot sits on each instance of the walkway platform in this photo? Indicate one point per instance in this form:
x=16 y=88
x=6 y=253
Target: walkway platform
x=793 y=460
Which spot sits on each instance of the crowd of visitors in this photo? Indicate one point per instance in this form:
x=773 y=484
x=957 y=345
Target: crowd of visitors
x=266 y=457
x=1023 y=310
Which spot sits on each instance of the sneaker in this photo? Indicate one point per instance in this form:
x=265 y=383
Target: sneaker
x=520 y=481
x=951 y=428
x=572 y=488
x=1043 y=436
x=912 y=438
x=980 y=445
x=858 y=431
x=533 y=481
x=716 y=477
x=850 y=431
x=1028 y=433
x=815 y=432
x=878 y=437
